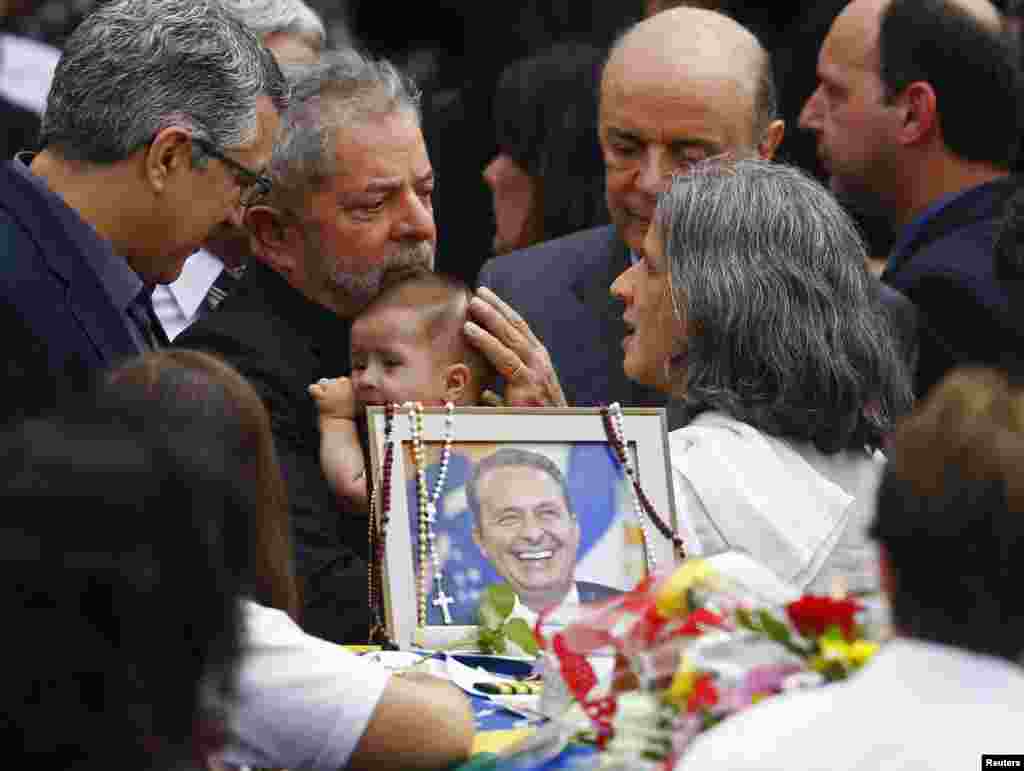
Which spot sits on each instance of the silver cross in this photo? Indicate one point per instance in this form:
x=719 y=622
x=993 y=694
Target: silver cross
x=443 y=601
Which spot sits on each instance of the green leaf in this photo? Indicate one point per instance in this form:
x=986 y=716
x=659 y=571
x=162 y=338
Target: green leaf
x=745 y=620
x=496 y=605
x=487 y=639
x=519 y=632
x=774 y=628
x=498 y=644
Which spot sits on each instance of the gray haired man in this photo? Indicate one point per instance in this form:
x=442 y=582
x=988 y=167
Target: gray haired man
x=294 y=34
x=351 y=203
x=160 y=119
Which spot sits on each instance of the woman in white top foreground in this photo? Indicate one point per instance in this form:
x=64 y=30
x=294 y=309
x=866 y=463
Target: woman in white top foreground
x=751 y=304
x=301 y=702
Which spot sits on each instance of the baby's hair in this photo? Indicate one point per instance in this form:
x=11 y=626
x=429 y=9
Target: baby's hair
x=441 y=303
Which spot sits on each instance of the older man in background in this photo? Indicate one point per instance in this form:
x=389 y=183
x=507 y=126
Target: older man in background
x=351 y=203
x=295 y=35
x=683 y=85
x=160 y=117
x=916 y=117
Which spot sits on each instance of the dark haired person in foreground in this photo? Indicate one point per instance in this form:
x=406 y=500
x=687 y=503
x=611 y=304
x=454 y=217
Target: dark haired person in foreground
x=950 y=688
x=916 y=117
x=300 y=701
x=124 y=631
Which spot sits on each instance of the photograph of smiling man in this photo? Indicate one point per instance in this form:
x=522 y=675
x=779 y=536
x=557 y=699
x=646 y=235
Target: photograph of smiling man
x=551 y=520
x=525 y=525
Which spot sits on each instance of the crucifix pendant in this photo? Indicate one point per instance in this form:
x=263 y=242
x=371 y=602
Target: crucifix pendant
x=442 y=601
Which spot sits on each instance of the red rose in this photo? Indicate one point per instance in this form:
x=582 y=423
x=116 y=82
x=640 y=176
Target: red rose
x=576 y=670
x=699 y=619
x=813 y=615
x=704 y=695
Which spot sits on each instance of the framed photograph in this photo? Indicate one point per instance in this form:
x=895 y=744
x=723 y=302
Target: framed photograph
x=533 y=497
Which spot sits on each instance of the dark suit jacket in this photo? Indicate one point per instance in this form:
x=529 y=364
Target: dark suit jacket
x=60 y=325
x=21 y=129
x=948 y=271
x=466 y=615
x=282 y=342
x=561 y=288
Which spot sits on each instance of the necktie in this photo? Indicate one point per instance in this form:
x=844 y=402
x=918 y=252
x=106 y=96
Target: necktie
x=223 y=287
x=141 y=311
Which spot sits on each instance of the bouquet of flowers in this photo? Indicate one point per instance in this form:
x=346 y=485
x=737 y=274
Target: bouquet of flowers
x=691 y=648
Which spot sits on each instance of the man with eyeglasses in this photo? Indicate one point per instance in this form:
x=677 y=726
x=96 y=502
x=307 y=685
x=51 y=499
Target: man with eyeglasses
x=294 y=34
x=159 y=116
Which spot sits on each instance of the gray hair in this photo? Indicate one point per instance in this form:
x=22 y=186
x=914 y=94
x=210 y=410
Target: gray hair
x=784 y=327
x=266 y=17
x=512 y=457
x=344 y=88
x=135 y=67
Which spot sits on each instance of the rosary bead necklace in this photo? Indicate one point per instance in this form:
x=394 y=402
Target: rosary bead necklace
x=611 y=416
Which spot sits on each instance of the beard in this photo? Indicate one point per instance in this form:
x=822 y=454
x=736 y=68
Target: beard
x=355 y=291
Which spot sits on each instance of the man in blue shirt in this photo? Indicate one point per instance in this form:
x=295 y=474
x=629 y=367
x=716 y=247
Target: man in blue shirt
x=159 y=122
x=916 y=118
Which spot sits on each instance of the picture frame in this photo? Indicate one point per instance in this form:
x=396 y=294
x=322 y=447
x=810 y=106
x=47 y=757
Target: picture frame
x=472 y=545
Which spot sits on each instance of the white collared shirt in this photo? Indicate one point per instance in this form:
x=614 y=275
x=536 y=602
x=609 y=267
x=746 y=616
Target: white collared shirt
x=562 y=615
x=302 y=702
x=26 y=70
x=802 y=514
x=180 y=303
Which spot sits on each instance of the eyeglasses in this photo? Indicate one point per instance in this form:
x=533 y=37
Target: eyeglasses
x=253 y=183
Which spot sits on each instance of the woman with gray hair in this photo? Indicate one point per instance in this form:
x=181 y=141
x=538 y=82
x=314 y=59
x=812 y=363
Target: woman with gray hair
x=751 y=304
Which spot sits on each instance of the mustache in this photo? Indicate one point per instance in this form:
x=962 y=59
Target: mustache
x=410 y=261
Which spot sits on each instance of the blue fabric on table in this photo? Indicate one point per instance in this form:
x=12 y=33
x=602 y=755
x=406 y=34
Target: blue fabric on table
x=569 y=759
x=491 y=716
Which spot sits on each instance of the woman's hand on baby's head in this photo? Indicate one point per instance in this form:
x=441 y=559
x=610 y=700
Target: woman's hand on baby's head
x=334 y=397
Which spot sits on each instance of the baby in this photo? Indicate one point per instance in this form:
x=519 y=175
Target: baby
x=407 y=345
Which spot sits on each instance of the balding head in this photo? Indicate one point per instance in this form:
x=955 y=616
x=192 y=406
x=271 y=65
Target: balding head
x=680 y=86
x=863 y=18
x=957 y=48
x=908 y=83
x=688 y=43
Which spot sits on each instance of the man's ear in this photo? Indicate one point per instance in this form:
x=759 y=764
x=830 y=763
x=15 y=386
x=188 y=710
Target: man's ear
x=456 y=382
x=275 y=239
x=771 y=139
x=168 y=154
x=920 y=120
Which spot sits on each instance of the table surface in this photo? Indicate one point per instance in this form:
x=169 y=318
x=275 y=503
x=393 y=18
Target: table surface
x=498 y=728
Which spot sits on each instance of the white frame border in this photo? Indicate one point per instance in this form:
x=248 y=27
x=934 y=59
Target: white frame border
x=646 y=428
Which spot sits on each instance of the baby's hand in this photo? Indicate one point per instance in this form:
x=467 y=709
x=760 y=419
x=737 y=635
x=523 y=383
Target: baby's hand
x=335 y=398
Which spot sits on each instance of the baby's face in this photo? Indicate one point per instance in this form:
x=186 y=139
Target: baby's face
x=392 y=361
